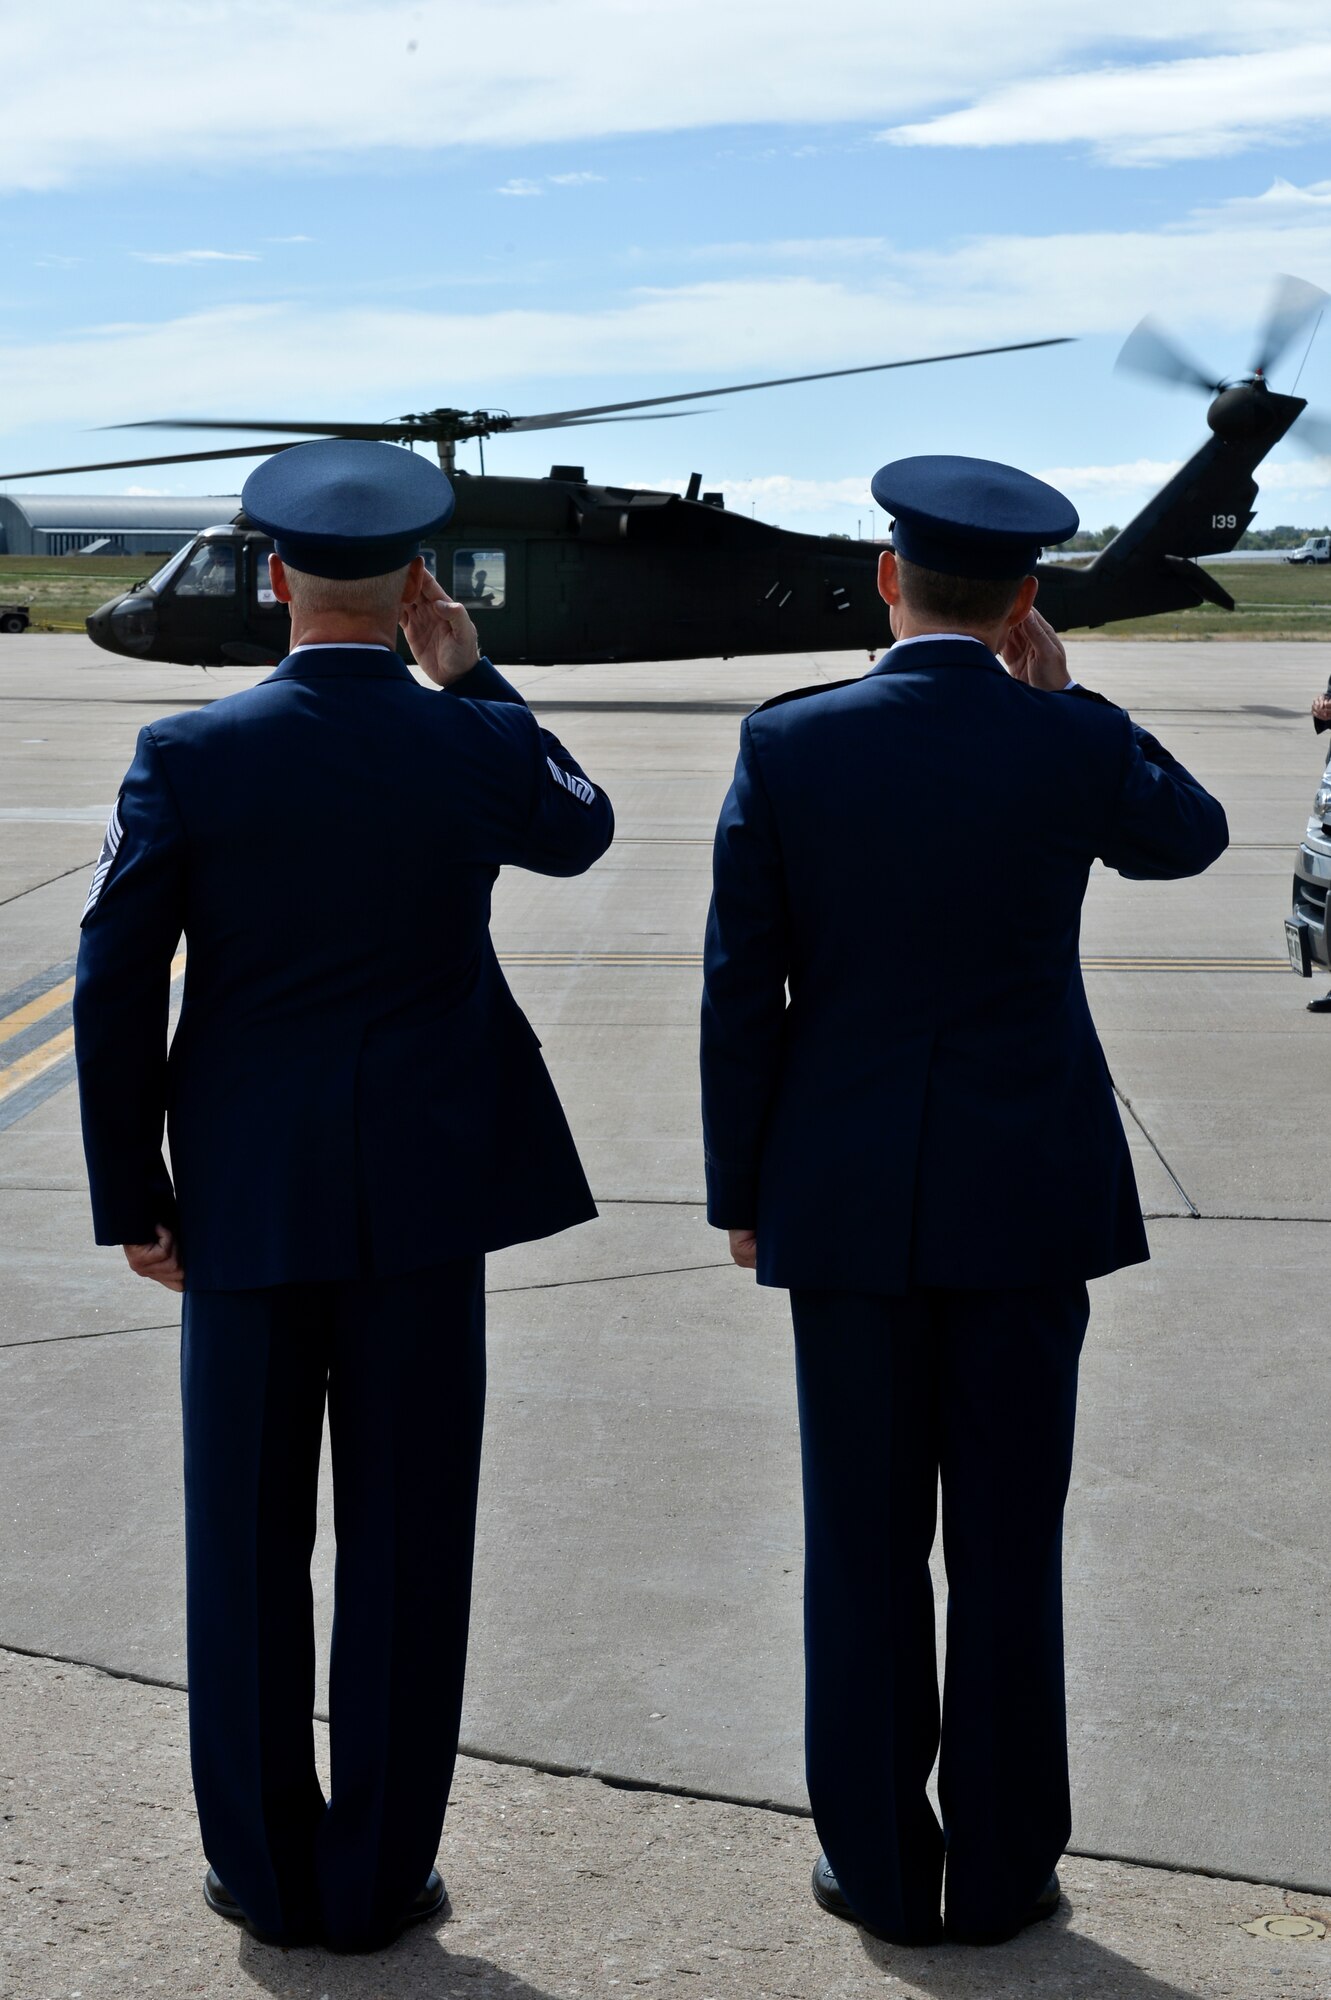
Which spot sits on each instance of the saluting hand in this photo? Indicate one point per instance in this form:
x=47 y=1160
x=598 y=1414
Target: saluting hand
x=440 y=634
x=1034 y=653
x=159 y=1260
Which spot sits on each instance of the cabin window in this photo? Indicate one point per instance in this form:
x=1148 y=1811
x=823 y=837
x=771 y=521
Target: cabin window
x=478 y=578
x=264 y=594
x=211 y=572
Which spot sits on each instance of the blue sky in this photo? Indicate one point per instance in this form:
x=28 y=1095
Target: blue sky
x=297 y=210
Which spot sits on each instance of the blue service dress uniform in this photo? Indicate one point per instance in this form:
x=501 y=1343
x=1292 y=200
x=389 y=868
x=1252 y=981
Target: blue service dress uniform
x=934 y=1164
x=358 y=1110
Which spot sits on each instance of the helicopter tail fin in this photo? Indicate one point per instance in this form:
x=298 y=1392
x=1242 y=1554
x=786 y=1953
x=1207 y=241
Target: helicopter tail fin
x=1150 y=565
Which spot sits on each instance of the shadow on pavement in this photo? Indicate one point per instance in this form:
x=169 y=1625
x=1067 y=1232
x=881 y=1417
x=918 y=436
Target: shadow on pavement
x=1048 y=1962
x=417 y=1965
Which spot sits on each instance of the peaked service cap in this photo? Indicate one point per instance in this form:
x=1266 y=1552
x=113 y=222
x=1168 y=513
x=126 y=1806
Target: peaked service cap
x=347 y=507
x=971 y=516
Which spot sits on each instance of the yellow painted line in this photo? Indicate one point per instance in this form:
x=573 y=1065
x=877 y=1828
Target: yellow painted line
x=1185 y=965
x=36 y=1010
x=47 y=1054
x=35 y=1063
x=592 y=958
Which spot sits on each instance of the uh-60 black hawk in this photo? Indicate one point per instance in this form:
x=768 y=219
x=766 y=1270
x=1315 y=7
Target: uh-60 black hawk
x=562 y=570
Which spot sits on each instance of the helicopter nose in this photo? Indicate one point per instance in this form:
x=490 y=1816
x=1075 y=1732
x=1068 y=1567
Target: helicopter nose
x=124 y=624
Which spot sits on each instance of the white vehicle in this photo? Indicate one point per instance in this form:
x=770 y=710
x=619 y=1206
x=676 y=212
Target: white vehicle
x=1317 y=548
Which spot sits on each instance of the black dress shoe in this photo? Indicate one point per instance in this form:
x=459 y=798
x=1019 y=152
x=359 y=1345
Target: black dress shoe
x=1044 y=1906
x=220 y=1900
x=1322 y=1006
x=829 y=1896
x=429 y=1901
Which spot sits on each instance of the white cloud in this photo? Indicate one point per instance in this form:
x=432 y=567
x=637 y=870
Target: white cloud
x=288 y=239
x=1304 y=477
x=195 y=256
x=574 y=180
x=1149 y=113
x=1130 y=477
x=288 y=80
x=1207 y=275
x=520 y=187
x=1102 y=493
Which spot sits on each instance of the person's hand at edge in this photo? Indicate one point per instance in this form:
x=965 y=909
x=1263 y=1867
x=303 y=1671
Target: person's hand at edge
x=744 y=1248
x=1322 y=707
x=1034 y=653
x=440 y=634
x=159 y=1260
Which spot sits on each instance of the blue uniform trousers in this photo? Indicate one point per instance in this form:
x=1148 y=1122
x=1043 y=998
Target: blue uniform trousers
x=976 y=1390
x=401 y=1364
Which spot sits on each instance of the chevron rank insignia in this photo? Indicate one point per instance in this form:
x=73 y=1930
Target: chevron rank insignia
x=581 y=790
x=110 y=849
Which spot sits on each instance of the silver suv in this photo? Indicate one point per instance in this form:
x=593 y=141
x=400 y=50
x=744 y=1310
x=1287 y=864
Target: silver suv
x=1306 y=928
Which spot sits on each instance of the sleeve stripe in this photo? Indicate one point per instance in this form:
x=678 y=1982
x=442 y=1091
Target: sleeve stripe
x=110 y=848
x=581 y=790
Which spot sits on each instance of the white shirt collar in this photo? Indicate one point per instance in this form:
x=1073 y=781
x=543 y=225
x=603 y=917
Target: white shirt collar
x=923 y=638
x=342 y=646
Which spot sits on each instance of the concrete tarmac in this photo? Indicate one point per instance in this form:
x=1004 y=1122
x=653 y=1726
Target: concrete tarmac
x=562 y=1888
x=638 y=1578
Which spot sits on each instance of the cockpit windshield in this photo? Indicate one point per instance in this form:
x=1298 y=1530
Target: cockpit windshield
x=160 y=578
x=210 y=571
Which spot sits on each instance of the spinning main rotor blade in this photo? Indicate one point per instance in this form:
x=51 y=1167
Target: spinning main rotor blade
x=391 y=431
x=1149 y=350
x=243 y=450
x=428 y=425
x=550 y=418
x=1295 y=305
x=176 y=458
x=454 y=426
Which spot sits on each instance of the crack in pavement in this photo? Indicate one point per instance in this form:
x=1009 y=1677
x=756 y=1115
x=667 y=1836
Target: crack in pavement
x=491 y=1292
x=614 y=1781
x=78 y=869
x=606 y=1278
x=96 y=1333
x=1127 y=1104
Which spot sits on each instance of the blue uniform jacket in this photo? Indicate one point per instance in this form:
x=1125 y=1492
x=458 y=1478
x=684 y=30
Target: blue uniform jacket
x=902 y=1084
x=352 y=1089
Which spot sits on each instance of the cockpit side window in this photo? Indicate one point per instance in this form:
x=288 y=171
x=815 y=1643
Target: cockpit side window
x=478 y=578
x=211 y=572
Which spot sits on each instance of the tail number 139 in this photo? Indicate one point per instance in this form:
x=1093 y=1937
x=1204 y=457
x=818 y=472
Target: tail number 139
x=1224 y=520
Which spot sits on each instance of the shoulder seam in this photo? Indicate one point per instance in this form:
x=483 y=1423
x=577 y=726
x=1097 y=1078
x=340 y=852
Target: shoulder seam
x=167 y=786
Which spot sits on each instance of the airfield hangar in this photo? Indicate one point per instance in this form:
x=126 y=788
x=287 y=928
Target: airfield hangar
x=61 y=524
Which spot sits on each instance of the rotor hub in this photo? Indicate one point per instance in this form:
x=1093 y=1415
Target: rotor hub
x=1239 y=411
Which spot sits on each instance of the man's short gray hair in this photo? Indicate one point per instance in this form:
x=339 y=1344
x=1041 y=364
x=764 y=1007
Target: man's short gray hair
x=353 y=597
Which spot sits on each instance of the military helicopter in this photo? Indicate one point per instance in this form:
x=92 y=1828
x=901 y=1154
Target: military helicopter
x=560 y=570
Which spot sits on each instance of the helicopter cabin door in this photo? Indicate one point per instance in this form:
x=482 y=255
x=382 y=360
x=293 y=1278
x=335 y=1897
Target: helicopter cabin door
x=202 y=602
